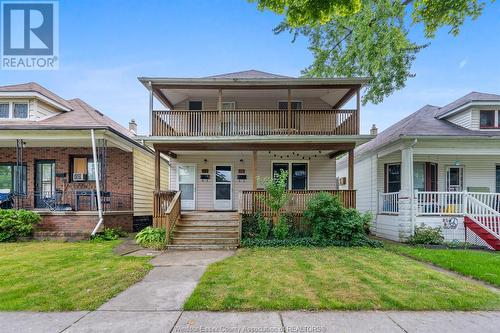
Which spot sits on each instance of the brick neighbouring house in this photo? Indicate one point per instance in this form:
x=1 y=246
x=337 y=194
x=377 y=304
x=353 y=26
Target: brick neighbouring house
x=46 y=163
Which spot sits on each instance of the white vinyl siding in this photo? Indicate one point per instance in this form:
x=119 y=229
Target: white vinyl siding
x=321 y=172
x=144 y=181
x=463 y=119
x=210 y=103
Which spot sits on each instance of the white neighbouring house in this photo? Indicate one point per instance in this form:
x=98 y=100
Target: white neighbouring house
x=439 y=166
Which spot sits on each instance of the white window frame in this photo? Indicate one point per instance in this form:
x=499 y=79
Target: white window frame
x=290 y=162
x=11 y=108
x=496 y=119
x=286 y=101
x=232 y=103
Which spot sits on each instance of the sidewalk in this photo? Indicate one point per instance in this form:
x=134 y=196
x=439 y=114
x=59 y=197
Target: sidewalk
x=260 y=322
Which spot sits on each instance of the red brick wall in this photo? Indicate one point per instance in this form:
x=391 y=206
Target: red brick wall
x=119 y=167
x=73 y=225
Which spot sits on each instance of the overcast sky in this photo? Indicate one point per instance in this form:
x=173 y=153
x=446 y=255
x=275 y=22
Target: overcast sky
x=106 y=45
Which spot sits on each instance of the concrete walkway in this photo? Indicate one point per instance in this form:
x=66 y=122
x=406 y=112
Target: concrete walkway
x=155 y=303
x=250 y=322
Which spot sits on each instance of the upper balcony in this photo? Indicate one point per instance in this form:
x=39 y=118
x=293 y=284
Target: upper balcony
x=241 y=104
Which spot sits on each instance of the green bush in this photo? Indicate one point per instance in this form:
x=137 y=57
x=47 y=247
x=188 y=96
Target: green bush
x=281 y=229
x=17 y=223
x=155 y=238
x=309 y=242
x=250 y=225
x=330 y=220
x=264 y=227
x=426 y=235
x=109 y=234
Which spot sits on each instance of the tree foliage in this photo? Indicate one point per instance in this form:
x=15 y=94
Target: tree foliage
x=369 y=38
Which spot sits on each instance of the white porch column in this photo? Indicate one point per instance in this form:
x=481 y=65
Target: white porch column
x=406 y=172
x=406 y=209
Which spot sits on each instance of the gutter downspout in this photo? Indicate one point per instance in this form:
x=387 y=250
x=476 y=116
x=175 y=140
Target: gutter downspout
x=97 y=183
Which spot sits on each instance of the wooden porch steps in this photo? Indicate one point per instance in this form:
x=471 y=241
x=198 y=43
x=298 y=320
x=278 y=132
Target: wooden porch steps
x=484 y=234
x=206 y=231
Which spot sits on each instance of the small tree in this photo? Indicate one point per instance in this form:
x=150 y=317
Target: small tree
x=277 y=194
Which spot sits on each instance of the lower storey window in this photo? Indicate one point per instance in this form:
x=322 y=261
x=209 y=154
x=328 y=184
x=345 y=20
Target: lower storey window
x=82 y=169
x=424 y=177
x=297 y=174
x=13 y=179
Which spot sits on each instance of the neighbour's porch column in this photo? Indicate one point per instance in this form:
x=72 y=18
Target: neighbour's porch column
x=350 y=169
x=157 y=170
x=407 y=172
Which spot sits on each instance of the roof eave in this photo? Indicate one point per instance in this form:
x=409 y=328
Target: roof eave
x=468 y=105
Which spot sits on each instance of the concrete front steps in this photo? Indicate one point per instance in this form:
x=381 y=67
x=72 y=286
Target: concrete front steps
x=206 y=231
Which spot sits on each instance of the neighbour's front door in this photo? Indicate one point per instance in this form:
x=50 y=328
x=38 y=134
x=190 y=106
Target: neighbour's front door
x=186 y=179
x=455 y=178
x=45 y=183
x=223 y=187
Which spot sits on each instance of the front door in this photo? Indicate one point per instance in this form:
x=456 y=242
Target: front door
x=186 y=179
x=455 y=178
x=223 y=187
x=45 y=183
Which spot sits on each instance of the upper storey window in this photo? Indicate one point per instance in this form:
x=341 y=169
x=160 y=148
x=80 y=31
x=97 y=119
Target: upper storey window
x=13 y=110
x=488 y=119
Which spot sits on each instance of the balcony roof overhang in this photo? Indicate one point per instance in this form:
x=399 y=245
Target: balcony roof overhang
x=334 y=91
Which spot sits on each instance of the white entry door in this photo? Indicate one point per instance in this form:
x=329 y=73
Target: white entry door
x=455 y=178
x=186 y=180
x=223 y=187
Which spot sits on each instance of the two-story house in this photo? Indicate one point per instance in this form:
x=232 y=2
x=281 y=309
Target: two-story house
x=439 y=166
x=225 y=132
x=55 y=153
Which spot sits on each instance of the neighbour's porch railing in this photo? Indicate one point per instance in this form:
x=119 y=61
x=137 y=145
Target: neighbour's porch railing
x=74 y=200
x=440 y=203
x=254 y=122
x=166 y=210
x=388 y=203
x=251 y=201
x=483 y=214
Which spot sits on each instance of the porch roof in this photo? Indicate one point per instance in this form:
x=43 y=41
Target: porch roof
x=171 y=90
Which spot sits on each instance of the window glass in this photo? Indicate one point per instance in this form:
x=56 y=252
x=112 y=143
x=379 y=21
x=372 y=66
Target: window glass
x=299 y=176
x=186 y=174
x=487 y=118
x=393 y=178
x=433 y=174
x=4 y=110
x=223 y=192
x=5 y=178
x=419 y=176
x=91 y=169
x=195 y=105
x=296 y=105
x=20 y=179
x=187 y=191
x=223 y=174
x=498 y=178
x=20 y=110
x=278 y=167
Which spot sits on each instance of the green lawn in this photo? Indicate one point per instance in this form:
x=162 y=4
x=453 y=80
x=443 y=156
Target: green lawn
x=56 y=276
x=480 y=265
x=332 y=278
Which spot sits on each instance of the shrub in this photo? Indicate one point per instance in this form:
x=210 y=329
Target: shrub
x=309 y=242
x=426 y=235
x=263 y=226
x=109 y=234
x=17 y=223
x=281 y=229
x=277 y=194
x=152 y=238
x=330 y=220
x=251 y=225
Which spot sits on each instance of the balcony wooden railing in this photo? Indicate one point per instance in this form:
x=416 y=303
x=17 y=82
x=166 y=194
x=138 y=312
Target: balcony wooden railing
x=254 y=122
x=251 y=201
x=166 y=210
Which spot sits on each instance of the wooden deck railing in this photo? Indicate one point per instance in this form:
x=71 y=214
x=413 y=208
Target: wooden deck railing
x=254 y=122
x=251 y=201
x=166 y=210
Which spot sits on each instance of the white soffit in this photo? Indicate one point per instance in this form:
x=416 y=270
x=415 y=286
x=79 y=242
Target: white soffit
x=330 y=96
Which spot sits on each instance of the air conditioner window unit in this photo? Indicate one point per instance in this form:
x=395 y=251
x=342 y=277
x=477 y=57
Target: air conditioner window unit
x=78 y=177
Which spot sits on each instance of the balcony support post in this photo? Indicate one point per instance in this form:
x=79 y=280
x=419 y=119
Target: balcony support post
x=350 y=169
x=254 y=170
x=289 y=111
x=358 y=108
x=220 y=112
x=150 y=108
x=157 y=169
